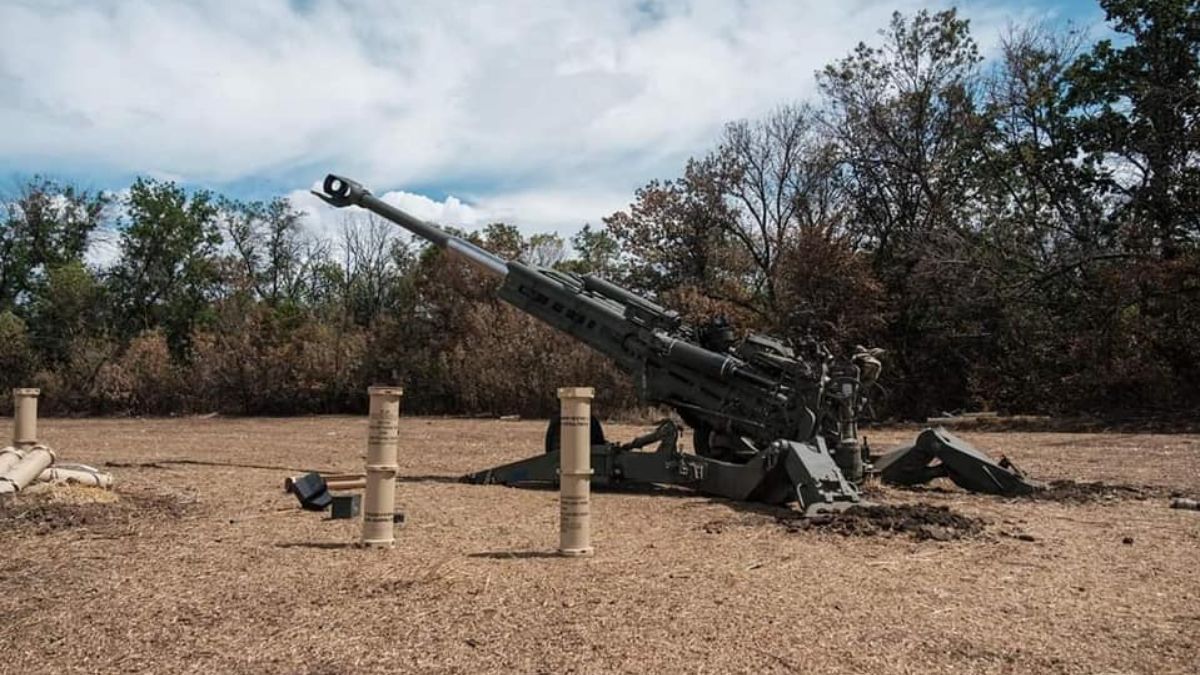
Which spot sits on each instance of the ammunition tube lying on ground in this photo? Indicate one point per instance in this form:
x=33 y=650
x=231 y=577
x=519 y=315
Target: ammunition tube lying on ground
x=333 y=481
x=37 y=460
x=77 y=474
x=9 y=458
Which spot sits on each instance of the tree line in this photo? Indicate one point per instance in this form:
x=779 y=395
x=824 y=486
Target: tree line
x=1020 y=233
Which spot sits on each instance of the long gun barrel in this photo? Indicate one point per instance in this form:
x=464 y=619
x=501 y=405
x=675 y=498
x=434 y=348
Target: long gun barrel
x=341 y=192
x=644 y=339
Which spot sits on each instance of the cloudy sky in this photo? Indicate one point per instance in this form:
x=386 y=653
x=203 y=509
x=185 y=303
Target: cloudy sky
x=546 y=114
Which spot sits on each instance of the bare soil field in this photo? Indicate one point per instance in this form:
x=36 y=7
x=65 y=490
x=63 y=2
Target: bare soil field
x=200 y=563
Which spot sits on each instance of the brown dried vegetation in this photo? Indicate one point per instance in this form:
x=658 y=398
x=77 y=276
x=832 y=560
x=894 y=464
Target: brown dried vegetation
x=203 y=563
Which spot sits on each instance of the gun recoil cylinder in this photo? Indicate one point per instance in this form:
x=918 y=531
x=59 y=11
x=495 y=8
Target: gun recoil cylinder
x=713 y=364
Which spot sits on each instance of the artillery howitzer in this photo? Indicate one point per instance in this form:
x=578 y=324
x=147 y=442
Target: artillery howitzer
x=770 y=424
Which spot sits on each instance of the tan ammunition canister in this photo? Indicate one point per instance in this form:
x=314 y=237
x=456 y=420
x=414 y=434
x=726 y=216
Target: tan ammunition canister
x=575 y=472
x=25 y=431
x=379 y=501
x=9 y=458
x=353 y=484
x=36 y=460
x=57 y=474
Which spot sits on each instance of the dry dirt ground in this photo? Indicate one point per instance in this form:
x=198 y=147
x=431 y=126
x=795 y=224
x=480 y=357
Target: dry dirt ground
x=202 y=564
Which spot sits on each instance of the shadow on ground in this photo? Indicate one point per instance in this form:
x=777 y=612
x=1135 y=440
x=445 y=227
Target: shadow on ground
x=324 y=545
x=515 y=555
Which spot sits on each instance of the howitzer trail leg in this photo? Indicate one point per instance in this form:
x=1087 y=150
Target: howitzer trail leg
x=780 y=474
x=817 y=482
x=937 y=453
x=542 y=470
x=783 y=473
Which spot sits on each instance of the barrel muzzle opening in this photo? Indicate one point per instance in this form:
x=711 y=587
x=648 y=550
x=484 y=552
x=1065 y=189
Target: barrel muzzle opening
x=339 y=191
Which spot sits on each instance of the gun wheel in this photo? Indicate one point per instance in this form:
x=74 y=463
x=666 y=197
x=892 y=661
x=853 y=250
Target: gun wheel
x=719 y=446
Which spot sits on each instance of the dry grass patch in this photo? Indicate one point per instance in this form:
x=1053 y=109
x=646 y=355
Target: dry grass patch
x=204 y=564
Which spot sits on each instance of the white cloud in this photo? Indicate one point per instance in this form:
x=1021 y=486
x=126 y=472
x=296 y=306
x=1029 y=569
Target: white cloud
x=450 y=211
x=553 y=209
x=103 y=248
x=536 y=210
x=324 y=221
x=540 y=112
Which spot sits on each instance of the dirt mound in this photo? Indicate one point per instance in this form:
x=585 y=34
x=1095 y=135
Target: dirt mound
x=71 y=506
x=920 y=521
x=1080 y=493
x=56 y=493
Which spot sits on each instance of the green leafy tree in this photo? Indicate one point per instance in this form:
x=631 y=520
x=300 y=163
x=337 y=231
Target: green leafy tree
x=167 y=273
x=1140 y=106
x=69 y=306
x=374 y=263
x=544 y=249
x=676 y=235
x=46 y=225
x=1039 y=226
x=17 y=358
x=596 y=252
x=905 y=118
x=1041 y=207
